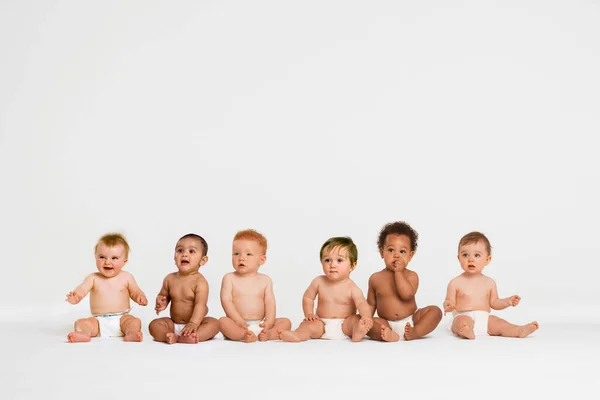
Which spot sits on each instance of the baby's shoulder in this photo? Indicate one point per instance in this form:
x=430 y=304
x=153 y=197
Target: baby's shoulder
x=263 y=278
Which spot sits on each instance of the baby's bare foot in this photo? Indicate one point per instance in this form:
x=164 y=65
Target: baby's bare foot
x=250 y=337
x=360 y=330
x=466 y=332
x=171 y=338
x=388 y=335
x=75 y=337
x=528 y=329
x=263 y=336
x=288 y=336
x=191 y=339
x=409 y=332
x=133 y=337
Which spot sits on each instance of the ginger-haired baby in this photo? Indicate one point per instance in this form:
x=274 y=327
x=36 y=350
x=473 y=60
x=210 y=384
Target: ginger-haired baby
x=392 y=290
x=110 y=290
x=338 y=298
x=187 y=291
x=247 y=296
x=472 y=295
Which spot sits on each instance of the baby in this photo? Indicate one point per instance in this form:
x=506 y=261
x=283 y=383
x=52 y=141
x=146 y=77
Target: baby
x=110 y=290
x=392 y=290
x=187 y=291
x=471 y=295
x=339 y=298
x=247 y=296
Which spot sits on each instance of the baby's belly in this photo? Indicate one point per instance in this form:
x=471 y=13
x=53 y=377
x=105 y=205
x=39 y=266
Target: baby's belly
x=250 y=309
x=393 y=309
x=333 y=310
x=471 y=306
x=181 y=311
x=108 y=306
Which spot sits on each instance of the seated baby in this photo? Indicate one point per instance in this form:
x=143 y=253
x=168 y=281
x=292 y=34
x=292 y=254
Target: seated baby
x=471 y=295
x=339 y=298
x=247 y=295
x=110 y=290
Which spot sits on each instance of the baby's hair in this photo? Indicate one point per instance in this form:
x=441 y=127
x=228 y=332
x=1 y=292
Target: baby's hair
x=112 y=240
x=198 y=238
x=251 y=234
x=474 y=237
x=344 y=243
x=398 y=228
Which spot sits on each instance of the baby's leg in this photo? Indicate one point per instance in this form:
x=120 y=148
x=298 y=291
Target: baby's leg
x=306 y=330
x=208 y=329
x=233 y=331
x=162 y=329
x=281 y=324
x=499 y=327
x=84 y=330
x=131 y=328
x=463 y=326
x=382 y=331
x=425 y=321
x=355 y=327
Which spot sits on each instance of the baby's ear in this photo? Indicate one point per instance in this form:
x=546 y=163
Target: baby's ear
x=352 y=267
x=263 y=259
x=203 y=260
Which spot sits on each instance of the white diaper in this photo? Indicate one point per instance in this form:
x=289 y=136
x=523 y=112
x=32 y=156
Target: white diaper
x=333 y=329
x=398 y=326
x=253 y=325
x=110 y=324
x=177 y=328
x=480 y=318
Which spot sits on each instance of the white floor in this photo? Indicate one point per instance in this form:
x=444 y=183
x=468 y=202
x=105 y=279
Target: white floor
x=559 y=360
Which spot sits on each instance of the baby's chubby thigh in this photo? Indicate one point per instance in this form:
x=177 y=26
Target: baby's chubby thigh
x=349 y=323
x=159 y=328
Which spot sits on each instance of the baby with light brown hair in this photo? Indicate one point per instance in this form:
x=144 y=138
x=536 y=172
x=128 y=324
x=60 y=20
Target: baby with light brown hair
x=110 y=291
x=471 y=295
x=247 y=296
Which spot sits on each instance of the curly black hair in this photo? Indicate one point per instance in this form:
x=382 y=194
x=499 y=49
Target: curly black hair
x=398 y=228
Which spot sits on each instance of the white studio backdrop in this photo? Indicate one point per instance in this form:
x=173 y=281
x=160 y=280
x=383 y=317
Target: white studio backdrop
x=304 y=121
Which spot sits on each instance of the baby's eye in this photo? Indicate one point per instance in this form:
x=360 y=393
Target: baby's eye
x=249 y=254
x=465 y=255
x=115 y=258
x=326 y=260
x=179 y=250
x=391 y=250
x=477 y=255
x=236 y=254
x=192 y=251
x=402 y=251
x=102 y=257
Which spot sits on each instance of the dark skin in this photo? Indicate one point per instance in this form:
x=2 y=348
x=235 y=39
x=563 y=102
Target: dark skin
x=392 y=294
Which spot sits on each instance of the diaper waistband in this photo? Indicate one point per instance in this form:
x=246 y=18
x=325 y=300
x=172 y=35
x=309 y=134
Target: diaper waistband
x=112 y=314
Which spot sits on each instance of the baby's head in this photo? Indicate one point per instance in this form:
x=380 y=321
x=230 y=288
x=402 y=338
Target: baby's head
x=397 y=240
x=339 y=256
x=191 y=253
x=111 y=252
x=249 y=251
x=474 y=252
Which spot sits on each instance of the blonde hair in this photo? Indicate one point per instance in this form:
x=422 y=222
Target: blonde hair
x=251 y=234
x=474 y=237
x=343 y=243
x=112 y=240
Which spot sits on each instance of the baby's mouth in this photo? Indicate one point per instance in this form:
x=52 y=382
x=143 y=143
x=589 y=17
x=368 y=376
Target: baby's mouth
x=184 y=262
x=471 y=267
x=108 y=268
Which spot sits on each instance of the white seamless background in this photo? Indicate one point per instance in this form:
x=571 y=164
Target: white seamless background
x=304 y=121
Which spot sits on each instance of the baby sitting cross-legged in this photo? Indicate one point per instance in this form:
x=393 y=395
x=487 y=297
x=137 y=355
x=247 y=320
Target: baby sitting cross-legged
x=471 y=295
x=339 y=298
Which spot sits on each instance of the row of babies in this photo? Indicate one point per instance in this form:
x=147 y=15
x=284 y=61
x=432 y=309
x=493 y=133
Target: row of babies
x=249 y=303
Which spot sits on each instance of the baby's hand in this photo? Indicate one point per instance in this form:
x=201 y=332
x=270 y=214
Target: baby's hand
x=161 y=303
x=141 y=299
x=399 y=265
x=367 y=322
x=311 y=317
x=265 y=326
x=189 y=328
x=73 y=298
x=514 y=300
x=242 y=324
x=448 y=306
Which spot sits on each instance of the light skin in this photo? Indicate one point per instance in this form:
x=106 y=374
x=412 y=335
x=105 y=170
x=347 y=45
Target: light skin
x=392 y=294
x=339 y=298
x=111 y=290
x=248 y=295
x=473 y=291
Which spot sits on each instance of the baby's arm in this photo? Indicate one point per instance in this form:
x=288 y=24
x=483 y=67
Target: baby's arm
x=501 y=304
x=359 y=301
x=227 y=301
x=270 y=308
x=200 y=308
x=372 y=297
x=308 y=300
x=450 y=301
x=135 y=293
x=81 y=291
x=163 y=298
x=406 y=286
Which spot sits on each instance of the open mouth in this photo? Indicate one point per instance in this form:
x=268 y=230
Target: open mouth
x=108 y=268
x=184 y=262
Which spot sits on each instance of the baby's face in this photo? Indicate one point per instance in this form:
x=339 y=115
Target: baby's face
x=188 y=255
x=396 y=248
x=247 y=256
x=473 y=257
x=336 y=264
x=110 y=260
